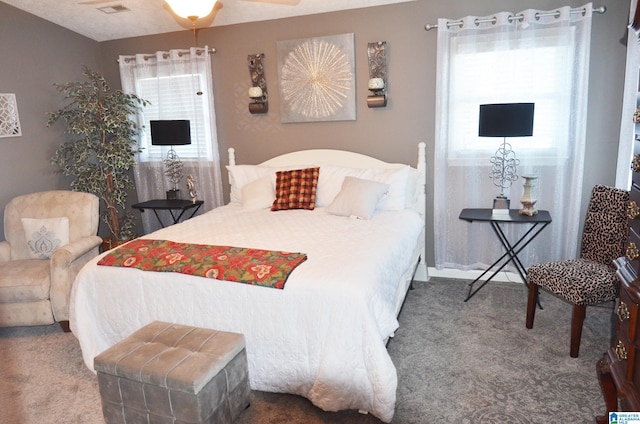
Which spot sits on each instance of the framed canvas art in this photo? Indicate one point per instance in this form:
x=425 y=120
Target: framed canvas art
x=317 y=79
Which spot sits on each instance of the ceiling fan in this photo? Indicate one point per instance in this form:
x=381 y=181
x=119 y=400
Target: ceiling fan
x=287 y=2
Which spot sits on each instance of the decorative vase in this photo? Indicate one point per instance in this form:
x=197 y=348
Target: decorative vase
x=529 y=199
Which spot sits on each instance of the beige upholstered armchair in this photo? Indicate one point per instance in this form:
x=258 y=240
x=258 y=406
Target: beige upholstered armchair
x=49 y=236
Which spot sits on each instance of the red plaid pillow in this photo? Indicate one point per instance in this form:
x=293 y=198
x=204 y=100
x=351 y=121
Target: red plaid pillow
x=296 y=189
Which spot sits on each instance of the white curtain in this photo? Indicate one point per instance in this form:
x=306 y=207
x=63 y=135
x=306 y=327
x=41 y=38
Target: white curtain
x=532 y=56
x=629 y=102
x=178 y=83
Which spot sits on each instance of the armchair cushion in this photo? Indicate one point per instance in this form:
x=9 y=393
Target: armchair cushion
x=45 y=236
x=26 y=280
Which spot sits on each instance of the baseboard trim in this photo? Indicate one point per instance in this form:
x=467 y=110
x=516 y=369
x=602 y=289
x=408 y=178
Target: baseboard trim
x=457 y=274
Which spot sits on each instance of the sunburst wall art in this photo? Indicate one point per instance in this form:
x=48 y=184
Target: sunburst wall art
x=317 y=79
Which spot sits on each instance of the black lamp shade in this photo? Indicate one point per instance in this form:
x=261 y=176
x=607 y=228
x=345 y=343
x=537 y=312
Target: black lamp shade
x=171 y=133
x=506 y=120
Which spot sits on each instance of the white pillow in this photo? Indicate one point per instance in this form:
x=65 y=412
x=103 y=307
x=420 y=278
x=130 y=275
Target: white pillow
x=398 y=180
x=241 y=175
x=330 y=182
x=358 y=198
x=259 y=194
x=45 y=236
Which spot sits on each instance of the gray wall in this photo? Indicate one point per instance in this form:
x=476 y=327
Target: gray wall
x=35 y=54
x=390 y=133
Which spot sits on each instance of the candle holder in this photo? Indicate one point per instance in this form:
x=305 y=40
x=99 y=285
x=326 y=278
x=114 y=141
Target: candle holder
x=529 y=195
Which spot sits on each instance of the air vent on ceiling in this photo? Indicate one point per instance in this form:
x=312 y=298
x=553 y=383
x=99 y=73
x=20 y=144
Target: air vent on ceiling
x=113 y=9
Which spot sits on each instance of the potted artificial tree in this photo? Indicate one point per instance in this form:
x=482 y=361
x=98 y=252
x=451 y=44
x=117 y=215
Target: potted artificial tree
x=102 y=148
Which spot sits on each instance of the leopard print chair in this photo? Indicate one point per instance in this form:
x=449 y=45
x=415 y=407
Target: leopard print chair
x=591 y=279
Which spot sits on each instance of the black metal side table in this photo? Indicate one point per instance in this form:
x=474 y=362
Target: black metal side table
x=171 y=205
x=538 y=223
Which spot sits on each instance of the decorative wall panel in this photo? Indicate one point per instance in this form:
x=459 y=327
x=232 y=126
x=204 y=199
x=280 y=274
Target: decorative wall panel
x=317 y=79
x=9 y=121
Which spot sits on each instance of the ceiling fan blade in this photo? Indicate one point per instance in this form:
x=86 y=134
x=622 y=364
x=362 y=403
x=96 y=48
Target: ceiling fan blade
x=286 y=2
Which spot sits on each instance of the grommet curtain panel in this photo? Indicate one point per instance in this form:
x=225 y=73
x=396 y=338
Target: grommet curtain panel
x=531 y=56
x=630 y=93
x=178 y=83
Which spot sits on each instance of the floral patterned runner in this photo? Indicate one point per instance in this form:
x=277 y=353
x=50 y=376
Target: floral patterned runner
x=250 y=266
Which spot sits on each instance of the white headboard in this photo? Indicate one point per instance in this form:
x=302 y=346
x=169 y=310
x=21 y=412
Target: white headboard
x=349 y=159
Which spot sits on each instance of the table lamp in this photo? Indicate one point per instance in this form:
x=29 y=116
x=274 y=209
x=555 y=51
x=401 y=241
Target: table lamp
x=505 y=120
x=171 y=133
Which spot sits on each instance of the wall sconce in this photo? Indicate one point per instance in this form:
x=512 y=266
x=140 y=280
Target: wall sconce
x=258 y=92
x=377 y=74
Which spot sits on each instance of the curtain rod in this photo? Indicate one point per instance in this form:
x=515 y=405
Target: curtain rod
x=601 y=9
x=165 y=55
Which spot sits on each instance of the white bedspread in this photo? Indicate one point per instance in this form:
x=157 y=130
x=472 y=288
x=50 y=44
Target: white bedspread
x=321 y=337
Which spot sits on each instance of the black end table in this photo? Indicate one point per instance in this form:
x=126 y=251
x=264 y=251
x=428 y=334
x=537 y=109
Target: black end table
x=538 y=223
x=170 y=205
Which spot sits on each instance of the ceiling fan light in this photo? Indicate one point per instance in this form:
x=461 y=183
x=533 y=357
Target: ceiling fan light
x=190 y=8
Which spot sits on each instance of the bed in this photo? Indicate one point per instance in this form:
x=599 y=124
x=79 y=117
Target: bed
x=323 y=335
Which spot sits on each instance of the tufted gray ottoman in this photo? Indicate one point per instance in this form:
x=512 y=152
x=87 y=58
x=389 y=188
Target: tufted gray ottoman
x=170 y=373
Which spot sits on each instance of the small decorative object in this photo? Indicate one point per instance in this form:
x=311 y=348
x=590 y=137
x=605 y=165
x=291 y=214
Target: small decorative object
x=9 y=121
x=171 y=133
x=505 y=120
x=636 y=116
x=317 y=79
x=529 y=195
x=258 y=92
x=377 y=74
x=191 y=186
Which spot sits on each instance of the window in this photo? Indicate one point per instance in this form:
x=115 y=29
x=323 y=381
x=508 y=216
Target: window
x=510 y=71
x=531 y=56
x=179 y=85
x=180 y=100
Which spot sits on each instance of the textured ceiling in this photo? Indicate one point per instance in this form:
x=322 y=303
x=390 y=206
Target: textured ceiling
x=146 y=17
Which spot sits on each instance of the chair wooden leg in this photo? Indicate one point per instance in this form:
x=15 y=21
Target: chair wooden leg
x=579 y=312
x=531 y=304
x=65 y=326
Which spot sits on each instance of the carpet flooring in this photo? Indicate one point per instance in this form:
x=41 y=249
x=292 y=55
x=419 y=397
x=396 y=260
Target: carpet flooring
x=458 y=362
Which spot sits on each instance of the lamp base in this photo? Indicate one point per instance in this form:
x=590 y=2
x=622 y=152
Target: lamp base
x=173 y=194
x=501 y=206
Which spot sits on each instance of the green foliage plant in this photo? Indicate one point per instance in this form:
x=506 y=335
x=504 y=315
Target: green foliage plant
x=102 y=146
